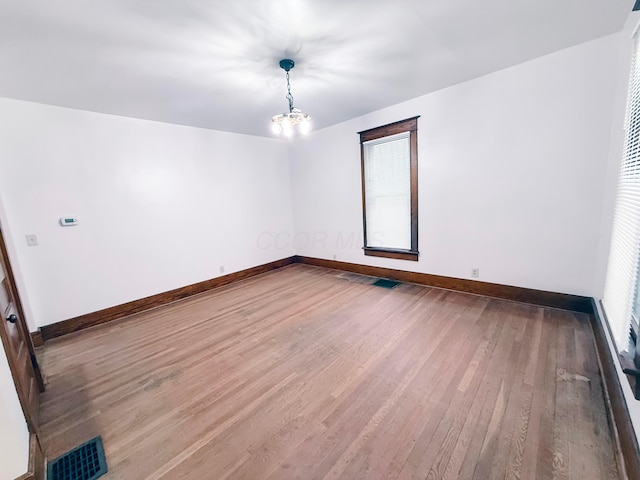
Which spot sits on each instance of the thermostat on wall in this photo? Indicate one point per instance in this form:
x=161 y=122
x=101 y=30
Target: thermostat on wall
x=68 y=221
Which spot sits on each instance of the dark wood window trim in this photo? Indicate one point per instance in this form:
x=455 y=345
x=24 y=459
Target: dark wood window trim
x=631 y=361
x=391 y=253
x=408 y=125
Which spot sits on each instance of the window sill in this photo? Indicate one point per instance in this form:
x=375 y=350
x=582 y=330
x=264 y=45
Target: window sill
x=391 y=253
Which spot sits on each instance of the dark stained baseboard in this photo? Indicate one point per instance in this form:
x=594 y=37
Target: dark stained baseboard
x=112 y=313
x=537 y=297
x=36 y=461
x=36 y=338
x=624 y=435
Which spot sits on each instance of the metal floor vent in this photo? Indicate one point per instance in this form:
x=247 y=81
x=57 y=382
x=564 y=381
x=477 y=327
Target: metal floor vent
x=85 y=462
x=384 y=283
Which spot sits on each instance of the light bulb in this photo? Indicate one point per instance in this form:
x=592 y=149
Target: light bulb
x=287 y=129
x=305 y=126
x=275 y=128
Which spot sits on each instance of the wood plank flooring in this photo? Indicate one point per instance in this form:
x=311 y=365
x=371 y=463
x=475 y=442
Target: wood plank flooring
x=306 y=373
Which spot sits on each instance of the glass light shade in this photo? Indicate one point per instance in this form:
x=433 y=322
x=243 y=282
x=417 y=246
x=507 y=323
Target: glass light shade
x=305 y=126
x=288 y=123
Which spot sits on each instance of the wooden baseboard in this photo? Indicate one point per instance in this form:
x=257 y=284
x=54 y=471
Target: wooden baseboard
x=36 y=461
x=71 y=325
x=623 y=432
x=537 y=297
x=36 y=338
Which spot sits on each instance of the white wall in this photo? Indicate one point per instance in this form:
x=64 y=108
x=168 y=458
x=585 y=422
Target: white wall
x=14 y=435
x=511 y=169
x=160 y=206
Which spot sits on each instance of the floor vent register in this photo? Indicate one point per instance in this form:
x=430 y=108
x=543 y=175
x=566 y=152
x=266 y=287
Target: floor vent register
x=86 y=462
x=384 y=283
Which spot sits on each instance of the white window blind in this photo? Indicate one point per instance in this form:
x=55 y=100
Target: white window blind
x=622 y=273
x=387 y=172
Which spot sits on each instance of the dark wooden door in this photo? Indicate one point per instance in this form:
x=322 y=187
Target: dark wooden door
x=17 y=343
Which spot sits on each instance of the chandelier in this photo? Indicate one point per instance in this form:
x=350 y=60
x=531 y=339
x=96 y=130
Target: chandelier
x=286 y=123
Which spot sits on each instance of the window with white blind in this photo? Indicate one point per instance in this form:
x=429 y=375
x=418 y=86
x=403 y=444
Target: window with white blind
x=621 y=288
x=390 y=190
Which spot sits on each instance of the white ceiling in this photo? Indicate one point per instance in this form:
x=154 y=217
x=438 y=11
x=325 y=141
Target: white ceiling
x=214 y=64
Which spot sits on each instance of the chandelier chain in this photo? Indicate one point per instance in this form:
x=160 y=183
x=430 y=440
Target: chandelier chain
x=289 y=97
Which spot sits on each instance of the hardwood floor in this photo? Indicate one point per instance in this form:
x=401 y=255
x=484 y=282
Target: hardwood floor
x=308 y=373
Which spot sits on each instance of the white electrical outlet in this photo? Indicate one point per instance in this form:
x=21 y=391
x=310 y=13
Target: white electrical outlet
x=221 y=268
x=334 y=256
x=32 y=240
x=475 y=272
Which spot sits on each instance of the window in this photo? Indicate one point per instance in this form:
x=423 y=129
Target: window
x=621 y=289
x=389 y=156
